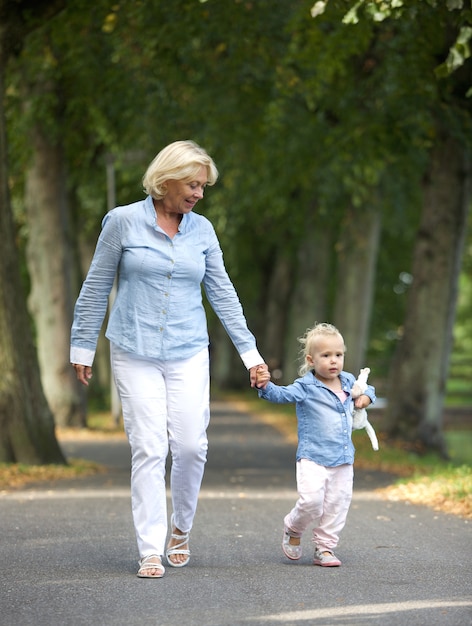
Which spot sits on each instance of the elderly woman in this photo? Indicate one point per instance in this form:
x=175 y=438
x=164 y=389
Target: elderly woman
x=161 y=253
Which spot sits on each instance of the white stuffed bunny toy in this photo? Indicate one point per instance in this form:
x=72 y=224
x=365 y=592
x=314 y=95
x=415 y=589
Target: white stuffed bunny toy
x=359 y=416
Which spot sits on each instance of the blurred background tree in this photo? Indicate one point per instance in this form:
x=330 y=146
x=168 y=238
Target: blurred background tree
x=342 y=134
x=26 y=422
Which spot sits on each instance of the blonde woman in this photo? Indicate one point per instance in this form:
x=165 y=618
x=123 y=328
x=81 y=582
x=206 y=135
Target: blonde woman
x=162 y=253
x=325 y=453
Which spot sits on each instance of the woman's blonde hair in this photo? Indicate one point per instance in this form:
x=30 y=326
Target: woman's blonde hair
x=309 y=339
x=180 y=160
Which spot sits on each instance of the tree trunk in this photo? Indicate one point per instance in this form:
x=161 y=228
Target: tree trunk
x=50 y=268
x=417 y=380
x=355 y=277
x=279 y=294
x=309 y=301
x=26 y=423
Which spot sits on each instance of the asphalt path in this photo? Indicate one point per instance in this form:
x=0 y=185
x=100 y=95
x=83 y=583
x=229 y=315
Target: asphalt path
x=68 y=552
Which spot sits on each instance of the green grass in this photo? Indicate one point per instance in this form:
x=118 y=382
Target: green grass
x=458 y=392
x=447 y=489
x=102 y=422
x=459 y=444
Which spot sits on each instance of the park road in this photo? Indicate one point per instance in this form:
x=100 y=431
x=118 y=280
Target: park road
x=68 y=550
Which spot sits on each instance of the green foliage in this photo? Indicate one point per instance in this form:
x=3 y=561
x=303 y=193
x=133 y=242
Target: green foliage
x=302 y=111
x=458 y=53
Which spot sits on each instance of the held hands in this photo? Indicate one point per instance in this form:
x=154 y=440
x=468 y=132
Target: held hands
x=262 y=376
x=83 y=372
x=254 y=371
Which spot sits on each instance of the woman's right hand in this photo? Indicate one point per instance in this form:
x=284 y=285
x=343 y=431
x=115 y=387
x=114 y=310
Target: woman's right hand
x=83 y=372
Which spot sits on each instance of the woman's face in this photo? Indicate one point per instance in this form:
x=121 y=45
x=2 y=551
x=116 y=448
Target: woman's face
x=327 y=357
x=182 y=196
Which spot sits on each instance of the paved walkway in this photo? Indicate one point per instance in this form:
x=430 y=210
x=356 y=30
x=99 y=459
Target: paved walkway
x=69 y=558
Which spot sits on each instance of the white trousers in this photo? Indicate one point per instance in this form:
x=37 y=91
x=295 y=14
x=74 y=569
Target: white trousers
x=324 y=498
x=165 y=404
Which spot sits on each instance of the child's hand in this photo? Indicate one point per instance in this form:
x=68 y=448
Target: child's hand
x=253 y=370
x=262 y=377
x=362 y=402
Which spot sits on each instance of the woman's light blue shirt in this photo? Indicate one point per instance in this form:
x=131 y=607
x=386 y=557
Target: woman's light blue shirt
x=324 y=422
x=158 y=309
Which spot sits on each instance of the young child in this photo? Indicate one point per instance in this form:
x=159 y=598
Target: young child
x=325 y=453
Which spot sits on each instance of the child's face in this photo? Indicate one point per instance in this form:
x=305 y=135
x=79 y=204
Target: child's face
x=327 y=357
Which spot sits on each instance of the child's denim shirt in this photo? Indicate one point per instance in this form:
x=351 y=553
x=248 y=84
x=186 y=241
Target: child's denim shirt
x=324 y=422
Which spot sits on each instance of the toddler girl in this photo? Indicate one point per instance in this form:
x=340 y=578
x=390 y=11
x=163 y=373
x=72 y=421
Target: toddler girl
x=325 y=453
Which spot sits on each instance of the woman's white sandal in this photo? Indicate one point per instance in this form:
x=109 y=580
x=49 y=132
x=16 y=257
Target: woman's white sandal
x=148 y=563
x=177 y=548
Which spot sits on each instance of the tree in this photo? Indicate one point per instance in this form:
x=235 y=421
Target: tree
x=26 y=423
x=358 y=247
x=50 y=265
x=65 y=122
x=323 y=132
x=419 y=369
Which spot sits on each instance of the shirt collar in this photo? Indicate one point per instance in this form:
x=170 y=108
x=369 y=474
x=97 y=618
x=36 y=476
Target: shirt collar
x=151 y=215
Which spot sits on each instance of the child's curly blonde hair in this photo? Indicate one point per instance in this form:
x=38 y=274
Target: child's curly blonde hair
x=320 y=329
